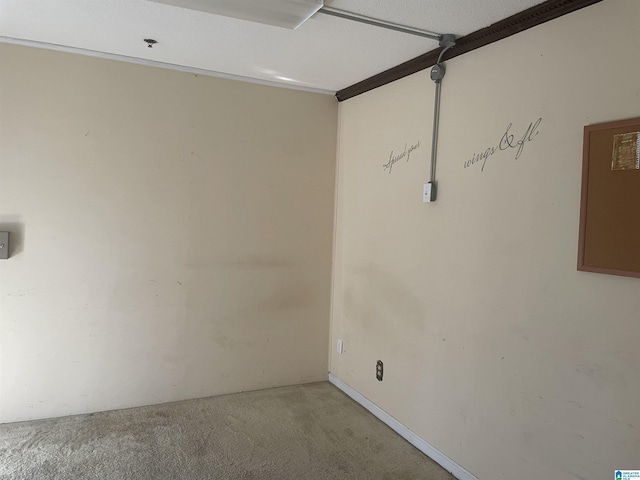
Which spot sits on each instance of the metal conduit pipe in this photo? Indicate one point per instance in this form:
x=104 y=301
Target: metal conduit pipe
x=446 y=41
x=437 y=74
x=356 y=17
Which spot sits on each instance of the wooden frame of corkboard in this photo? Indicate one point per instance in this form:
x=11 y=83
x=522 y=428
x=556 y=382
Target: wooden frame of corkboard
x=610 y=205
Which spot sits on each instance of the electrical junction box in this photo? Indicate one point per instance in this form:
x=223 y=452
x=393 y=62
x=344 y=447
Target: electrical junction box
x=4 y=245
x=429 y=193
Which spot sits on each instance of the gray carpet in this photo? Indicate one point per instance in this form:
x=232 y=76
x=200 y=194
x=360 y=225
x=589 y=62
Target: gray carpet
x=305 y=432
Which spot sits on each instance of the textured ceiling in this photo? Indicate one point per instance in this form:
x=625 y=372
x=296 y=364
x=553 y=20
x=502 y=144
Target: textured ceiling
x=325 y=53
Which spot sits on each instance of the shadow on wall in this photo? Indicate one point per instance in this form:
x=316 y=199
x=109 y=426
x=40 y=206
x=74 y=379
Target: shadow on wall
x=15 y=227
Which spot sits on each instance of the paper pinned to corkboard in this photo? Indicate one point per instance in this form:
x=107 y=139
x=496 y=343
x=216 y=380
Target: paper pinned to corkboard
x=626 y=151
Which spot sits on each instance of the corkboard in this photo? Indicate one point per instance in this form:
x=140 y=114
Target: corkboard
x=610 y=206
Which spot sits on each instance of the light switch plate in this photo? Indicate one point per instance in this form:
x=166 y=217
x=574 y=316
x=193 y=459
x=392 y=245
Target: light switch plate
x=429 y=193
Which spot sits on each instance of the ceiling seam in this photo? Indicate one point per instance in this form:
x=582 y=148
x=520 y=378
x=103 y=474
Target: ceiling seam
x=157 y=64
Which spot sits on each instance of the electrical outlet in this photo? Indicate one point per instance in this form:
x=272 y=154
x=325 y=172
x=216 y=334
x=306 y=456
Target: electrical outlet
x=4 y=245
x=339 y=347
x=379 y=370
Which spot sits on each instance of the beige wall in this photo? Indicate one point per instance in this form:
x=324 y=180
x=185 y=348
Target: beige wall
x=176 y=234
x=497 y=351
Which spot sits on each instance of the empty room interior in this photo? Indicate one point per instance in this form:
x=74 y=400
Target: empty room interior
x=290 y=239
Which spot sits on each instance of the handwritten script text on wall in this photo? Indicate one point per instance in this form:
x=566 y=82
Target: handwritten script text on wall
x=406 y=153
x=508 y=141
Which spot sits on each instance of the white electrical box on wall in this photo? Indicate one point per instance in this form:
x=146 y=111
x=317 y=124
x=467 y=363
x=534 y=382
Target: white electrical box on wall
x=429 y=193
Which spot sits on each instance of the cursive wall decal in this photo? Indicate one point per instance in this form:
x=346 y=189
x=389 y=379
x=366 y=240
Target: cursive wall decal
x=507 y=141
x=406 y=153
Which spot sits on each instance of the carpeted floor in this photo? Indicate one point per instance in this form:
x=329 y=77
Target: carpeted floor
x=305 y=432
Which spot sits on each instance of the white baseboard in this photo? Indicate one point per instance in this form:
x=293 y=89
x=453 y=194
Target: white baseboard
x=421 y=444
